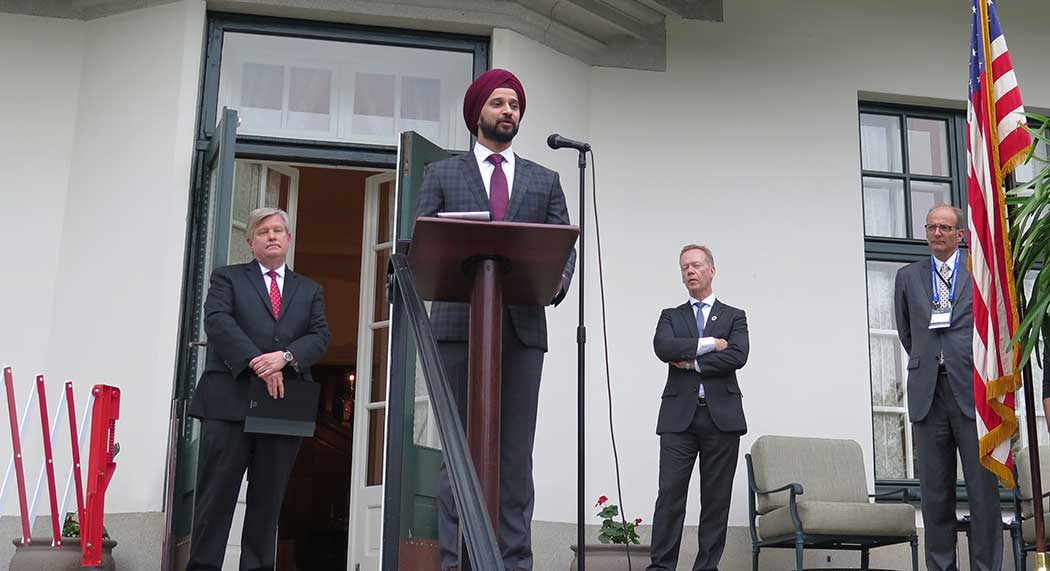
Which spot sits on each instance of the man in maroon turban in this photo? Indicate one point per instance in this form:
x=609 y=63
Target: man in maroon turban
x=492 y=178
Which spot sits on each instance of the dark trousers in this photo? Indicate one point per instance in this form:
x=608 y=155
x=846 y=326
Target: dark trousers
x=717 y=451
x=937 y=437
x=522 y=368
x=225 y=452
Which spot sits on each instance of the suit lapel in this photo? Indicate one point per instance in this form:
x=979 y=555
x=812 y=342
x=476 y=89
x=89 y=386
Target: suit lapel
x=685 y=311
x=291 y=285
x=927 y=280
x=468 y=165
x=716 y=312
x=255 y=276
x=522 y=181
x=964 y=281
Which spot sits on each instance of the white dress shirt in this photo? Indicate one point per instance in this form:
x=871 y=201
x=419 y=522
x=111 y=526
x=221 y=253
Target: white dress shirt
x=482 y=153
x=280 y=277
x=704 y=345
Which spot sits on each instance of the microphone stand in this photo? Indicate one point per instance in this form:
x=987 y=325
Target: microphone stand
x=581 y=341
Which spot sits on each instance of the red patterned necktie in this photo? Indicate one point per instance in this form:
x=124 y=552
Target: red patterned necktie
x=499 y=195
x=275 y=293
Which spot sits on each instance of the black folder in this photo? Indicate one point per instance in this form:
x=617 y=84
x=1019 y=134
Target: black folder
x=293 y=415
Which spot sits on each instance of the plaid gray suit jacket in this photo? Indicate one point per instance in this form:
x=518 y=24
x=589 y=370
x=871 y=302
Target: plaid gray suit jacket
x=455 y=185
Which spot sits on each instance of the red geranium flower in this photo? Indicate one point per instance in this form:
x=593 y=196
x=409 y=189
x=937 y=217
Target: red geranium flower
x=602 y=500
x=638 y=521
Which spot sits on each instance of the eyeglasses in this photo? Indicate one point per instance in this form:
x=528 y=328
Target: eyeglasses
x=944 y=228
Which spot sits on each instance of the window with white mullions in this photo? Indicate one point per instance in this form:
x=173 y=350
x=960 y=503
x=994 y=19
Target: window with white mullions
x=910 y=162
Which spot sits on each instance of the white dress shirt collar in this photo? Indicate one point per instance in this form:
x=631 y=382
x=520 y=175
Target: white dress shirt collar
x=481 y=155
x=950 y=262
x=708 y=301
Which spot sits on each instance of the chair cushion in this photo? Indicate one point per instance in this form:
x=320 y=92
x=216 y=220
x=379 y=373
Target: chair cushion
x=1024 y=480
x=841 y=518
x=829 y=470
x=1028 y=529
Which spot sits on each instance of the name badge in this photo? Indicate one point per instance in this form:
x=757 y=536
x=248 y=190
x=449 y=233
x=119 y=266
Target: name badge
x=941 y=318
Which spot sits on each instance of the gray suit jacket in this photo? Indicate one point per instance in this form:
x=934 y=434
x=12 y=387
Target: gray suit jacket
x=913 y=305
x=455 y=185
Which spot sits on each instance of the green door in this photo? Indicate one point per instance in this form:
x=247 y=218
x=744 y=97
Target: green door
x=209 y=248
x=414 y=449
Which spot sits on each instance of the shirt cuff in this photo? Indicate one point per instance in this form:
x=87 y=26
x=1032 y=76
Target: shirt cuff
x=705 y=345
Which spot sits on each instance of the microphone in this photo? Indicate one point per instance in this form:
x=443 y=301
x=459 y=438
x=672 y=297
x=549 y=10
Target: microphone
x=556 y=141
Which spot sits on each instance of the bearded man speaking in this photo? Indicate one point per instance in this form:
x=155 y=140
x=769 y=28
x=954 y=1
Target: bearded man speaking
x=512 y=189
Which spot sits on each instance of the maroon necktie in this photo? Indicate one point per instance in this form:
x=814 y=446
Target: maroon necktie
x=499 y=195
x=275 y=293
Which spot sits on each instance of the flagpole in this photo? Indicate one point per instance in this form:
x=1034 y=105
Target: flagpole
x=1042 y=563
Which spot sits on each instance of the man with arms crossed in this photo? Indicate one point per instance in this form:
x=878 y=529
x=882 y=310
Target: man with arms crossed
x=265 y=324
x=704 y=342
x=513 y=189
x=933 y=304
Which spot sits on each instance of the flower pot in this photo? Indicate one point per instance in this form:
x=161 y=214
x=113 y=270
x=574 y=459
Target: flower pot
x=40 y=556
x=613 y=557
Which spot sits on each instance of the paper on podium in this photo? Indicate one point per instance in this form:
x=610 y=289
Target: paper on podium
x=476 y=215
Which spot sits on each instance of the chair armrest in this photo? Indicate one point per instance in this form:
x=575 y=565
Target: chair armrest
x=796 y=489
x=903 y=492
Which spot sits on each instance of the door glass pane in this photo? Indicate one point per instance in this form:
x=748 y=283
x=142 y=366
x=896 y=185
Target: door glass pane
x=880 y=143
x=884 y=207
x=374 y=471
x=344 y=91
x=928 y=147
x=924 y=196
x=380 y=339
x=382 y=309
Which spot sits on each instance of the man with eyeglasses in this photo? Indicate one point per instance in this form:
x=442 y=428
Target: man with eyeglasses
x=933 y=303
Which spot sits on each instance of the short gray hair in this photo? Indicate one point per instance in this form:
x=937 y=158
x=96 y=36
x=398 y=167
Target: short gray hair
x=260 y=214
x=704 y=249
x=960 y=218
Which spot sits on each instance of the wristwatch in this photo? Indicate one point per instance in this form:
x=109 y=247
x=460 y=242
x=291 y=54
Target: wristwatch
x=290 y=359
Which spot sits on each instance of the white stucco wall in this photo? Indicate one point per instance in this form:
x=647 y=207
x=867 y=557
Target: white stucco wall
x=747 y=143
x=104 y=235
x=38 y=106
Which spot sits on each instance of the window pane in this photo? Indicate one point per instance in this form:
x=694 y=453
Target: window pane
x=262 y=95
x=887 y=362
x=309 y=99
x=373 y=104
x=928 y=147
x=881 y=276
x=344 y=91
x=890 y=461
x=880 y=143
x=884 y=207
x=887 y=356
x=376 y=420
x=924 y=196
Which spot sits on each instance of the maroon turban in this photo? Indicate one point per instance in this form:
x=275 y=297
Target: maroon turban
x=479 y=91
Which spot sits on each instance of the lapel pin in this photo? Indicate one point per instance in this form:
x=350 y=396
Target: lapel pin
x=714 y=318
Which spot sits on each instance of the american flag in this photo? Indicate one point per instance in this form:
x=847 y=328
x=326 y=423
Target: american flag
x=996 y=143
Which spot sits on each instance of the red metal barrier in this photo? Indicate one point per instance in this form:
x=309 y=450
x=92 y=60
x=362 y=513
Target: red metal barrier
x=104 y=417
x=16 y=448
x=74 y=440
x=49 y=463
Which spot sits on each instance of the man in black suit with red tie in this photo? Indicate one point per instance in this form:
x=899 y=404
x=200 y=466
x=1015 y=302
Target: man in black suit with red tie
x=493 y=178
x=265 y=324
x=704 y=342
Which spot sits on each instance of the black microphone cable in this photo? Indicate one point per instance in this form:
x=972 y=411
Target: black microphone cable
x=605 y=345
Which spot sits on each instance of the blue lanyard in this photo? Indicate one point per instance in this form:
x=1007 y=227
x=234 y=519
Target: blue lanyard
x=934 y=276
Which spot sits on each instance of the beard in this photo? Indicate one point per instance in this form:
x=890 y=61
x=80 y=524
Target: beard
x=492 y=132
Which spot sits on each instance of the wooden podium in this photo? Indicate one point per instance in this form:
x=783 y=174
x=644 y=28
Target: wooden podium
x=488 y=264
